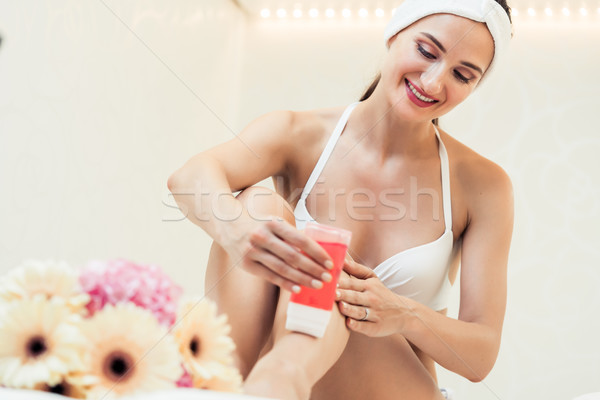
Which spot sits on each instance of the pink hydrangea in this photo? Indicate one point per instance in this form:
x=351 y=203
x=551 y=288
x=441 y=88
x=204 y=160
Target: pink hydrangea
x=120 y=281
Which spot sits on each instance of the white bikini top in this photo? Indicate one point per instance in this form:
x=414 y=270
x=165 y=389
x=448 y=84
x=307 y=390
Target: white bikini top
x=420 y=272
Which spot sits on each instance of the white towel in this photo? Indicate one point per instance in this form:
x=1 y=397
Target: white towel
x=487 y=11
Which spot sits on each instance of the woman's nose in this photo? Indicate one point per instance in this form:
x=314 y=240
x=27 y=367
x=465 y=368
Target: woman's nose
x=432 y=80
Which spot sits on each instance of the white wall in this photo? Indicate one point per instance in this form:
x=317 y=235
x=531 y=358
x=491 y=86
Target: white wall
x=94 y=118
x=92 y=123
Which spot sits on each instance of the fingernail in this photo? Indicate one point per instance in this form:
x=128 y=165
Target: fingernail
x=296 y=289
x=317 y=284
x=329 y=264
x=326 y=277
x=338 y=294
x=337 y=284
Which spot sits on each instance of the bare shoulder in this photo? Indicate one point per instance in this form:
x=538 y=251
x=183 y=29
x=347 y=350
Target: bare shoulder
x=297 y=126
x=274 y=144
x=313 y=124
x=478 y=178
x=282 y=134
x=309 y=130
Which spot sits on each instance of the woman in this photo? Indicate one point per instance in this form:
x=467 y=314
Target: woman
x=416 y=200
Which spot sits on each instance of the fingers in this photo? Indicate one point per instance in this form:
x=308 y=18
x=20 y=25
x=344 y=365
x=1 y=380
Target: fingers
x=351 y=297
x=354 y=316
x=292 y=257
x=358 y=270
x=352 y=311
x=276 y=247
x=297 y=238
x=349 y=283
x=356 y=296
x=364 y=327
x=284 y=273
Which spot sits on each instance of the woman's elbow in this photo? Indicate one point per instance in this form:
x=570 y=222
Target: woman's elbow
x=172 y=182
x=188 y=174
x=478 y=376
x=177 y=180
x=484 y=357
x=478 y=373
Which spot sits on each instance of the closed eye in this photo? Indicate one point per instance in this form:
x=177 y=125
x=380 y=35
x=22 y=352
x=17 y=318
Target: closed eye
x=461 y=77
x=425 y=53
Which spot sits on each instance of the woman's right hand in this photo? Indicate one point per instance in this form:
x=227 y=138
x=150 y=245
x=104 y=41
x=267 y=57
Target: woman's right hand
x=283 y=255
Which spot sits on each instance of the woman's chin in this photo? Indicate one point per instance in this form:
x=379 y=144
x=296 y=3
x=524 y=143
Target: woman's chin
x=405 y=112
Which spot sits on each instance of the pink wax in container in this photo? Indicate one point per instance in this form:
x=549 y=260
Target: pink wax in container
x=310 y=310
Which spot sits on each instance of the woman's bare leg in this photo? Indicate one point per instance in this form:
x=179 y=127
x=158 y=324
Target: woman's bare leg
x=249 y=301
x=296 y=361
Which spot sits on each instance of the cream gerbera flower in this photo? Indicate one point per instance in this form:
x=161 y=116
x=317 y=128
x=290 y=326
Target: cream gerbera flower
x=51 y=279
x=224 y=379
x=129 y=352
x=64 y=388
x=39 y=343
x=202 y=338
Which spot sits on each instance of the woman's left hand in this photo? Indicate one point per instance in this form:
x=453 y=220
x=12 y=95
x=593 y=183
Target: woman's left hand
x=362 y=291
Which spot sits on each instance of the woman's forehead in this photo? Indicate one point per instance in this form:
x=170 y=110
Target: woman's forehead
x=457 y=33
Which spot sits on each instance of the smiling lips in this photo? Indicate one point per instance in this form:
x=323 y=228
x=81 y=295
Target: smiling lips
x=417 y=96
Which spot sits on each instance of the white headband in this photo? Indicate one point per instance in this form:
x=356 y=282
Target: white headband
x=487 y=11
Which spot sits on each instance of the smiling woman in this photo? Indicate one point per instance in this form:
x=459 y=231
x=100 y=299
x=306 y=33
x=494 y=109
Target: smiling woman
x=393 y=297
x=432 y=76
x=412 y=13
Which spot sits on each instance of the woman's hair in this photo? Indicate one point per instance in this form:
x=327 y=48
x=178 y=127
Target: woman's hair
x=371 y=88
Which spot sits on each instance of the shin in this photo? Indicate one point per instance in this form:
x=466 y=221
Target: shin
x=249 y=301
x=296 y=361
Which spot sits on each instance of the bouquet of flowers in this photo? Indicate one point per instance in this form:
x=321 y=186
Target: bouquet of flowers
x=114 y=328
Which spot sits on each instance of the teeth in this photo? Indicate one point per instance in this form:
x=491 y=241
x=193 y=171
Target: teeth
x=419 y=95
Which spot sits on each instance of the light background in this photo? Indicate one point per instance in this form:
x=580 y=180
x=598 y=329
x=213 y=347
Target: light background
x=101 y=101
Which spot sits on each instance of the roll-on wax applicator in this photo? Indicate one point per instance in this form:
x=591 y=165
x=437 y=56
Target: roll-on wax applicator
x=309 y=310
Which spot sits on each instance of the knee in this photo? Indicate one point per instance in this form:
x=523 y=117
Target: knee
x=274 y=371
x=262 y=202
x=291 y=372
x=296 y=375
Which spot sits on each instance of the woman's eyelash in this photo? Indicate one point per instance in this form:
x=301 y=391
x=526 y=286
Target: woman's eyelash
x=430 y=56
x=461 y=77
x=425 y=53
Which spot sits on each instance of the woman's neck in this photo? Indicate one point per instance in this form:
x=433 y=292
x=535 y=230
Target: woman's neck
x=381 y=130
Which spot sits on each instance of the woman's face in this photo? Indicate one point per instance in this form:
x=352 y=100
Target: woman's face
x=434 y=64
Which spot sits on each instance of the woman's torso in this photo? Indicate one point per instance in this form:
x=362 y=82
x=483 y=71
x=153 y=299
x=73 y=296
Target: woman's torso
x=352 y=174
x=369 y=364
x=419 y=272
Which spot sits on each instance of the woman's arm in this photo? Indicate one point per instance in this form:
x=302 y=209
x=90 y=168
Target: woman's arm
x=203 y=188
x=468 y=346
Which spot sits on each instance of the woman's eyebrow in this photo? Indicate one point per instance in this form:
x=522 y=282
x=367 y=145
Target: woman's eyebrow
x=434 y=40
x=443 y=49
